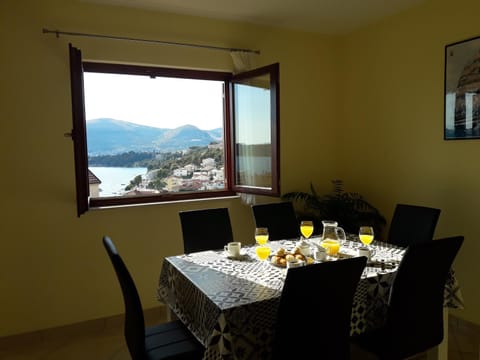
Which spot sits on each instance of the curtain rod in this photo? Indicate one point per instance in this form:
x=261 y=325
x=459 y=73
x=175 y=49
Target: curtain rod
x=59 y=32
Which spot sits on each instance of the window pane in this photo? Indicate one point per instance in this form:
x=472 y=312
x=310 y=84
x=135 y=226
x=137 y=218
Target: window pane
x=253 y=132
x=153 y=135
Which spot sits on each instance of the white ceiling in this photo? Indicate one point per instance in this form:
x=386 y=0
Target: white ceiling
x=322 y=16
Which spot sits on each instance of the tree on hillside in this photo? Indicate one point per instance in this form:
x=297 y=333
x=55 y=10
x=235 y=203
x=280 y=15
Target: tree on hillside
x=134 y=183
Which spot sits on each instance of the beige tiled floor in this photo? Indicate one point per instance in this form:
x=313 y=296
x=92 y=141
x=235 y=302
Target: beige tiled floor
x=103 y=340
x=464 y=340
x=93 y=340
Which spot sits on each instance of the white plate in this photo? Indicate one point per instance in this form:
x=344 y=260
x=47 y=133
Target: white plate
x=276 y=265
x=243 y=256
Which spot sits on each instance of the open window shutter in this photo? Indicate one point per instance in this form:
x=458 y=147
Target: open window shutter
x=254 y=131
x=79 y=130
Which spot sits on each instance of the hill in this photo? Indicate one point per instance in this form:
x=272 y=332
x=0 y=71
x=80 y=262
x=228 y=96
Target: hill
x=109 y=136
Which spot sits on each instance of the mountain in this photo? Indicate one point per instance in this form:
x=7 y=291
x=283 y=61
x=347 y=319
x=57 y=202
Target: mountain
x=182 y=138
x=217 y=134
x=110 y=136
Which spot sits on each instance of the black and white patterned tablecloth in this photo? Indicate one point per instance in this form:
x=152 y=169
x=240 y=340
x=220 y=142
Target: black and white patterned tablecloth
x=231 y=305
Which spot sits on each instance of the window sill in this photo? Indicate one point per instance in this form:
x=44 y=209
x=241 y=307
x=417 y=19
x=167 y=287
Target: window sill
x=113 y=203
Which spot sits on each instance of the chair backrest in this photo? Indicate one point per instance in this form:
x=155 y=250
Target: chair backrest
x=415 y=312
x=279 y=218
x=134 y=326
x=412 y=224
x=319 y=297
x=205 y=229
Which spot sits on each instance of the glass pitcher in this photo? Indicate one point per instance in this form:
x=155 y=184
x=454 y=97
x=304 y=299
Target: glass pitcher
x=332 y=237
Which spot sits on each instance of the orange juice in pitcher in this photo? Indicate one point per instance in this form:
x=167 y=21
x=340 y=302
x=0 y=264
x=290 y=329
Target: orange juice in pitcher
x=332 y=247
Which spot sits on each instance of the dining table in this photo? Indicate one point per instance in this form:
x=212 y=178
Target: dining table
x=230 y=304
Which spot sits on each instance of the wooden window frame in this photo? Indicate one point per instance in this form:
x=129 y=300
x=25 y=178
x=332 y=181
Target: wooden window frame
x=79 y=137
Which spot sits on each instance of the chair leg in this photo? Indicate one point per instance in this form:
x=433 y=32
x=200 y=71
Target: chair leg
x=440 y=352
x=357 y=353
x=170 y=315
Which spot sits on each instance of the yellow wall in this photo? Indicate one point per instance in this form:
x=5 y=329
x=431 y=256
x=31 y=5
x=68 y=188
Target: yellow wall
x=367 y=108
x=53 y=268
x=392 y=126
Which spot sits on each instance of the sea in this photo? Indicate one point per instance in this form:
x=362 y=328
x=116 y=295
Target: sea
x=114 y=179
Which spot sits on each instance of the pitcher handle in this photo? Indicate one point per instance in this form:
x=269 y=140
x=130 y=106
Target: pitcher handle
x=342 y=238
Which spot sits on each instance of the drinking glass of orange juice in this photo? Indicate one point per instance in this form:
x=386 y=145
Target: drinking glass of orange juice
x=306 y=228
x=261 y=235
x=262 y=251
x=366 y=235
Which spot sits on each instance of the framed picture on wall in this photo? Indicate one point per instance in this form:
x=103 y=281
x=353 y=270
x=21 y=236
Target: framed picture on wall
x=462 y=90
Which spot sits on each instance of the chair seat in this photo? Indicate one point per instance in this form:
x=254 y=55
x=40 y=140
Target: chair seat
x=172 y=340
x=379 y=342
x=374 y=342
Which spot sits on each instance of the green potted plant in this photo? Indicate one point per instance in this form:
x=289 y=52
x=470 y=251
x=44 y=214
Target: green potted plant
x=349 y=209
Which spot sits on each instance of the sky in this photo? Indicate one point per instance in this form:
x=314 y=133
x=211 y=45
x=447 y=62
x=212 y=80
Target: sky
x=154 y=102
x=172 y=102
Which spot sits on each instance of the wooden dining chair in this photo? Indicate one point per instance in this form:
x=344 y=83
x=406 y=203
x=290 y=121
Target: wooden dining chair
x=315 y=310
x=412 y=224
x=205 y=229
x=414 y=320
x=279 y=218
x=170 y=340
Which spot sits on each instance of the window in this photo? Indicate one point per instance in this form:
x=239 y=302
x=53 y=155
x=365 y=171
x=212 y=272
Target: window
x=228 y=144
